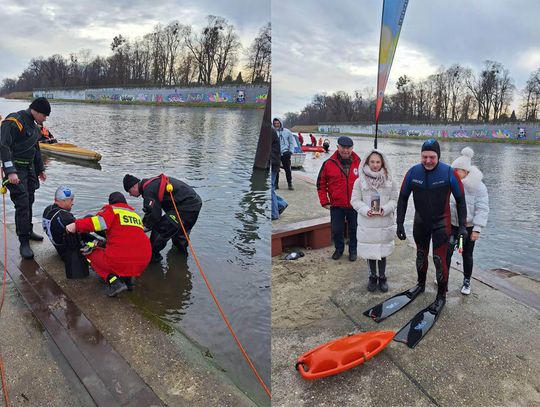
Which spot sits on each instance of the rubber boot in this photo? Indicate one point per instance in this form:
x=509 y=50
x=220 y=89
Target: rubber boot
x=372 y=283
x=383 y=286
x=34 y=236
x=25 y=249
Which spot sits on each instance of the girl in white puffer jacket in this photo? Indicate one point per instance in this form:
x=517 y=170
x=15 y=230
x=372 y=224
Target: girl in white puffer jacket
x=376 y=226
x=476 y=196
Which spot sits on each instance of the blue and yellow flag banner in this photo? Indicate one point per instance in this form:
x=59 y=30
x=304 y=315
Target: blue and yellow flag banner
x=392 y=19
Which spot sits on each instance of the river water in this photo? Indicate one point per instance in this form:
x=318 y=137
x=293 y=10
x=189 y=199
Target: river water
x=511 y=174
x=212 y=150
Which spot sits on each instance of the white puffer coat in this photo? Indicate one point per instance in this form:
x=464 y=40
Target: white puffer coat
x=476 y=196
x=376 y=233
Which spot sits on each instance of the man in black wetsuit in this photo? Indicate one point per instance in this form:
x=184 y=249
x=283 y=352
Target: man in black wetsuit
x=55 y=219
x=156 y=200
x=431 y=183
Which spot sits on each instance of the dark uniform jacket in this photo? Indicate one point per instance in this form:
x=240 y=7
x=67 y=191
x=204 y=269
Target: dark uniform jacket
x=185 y=197
x=19 y=142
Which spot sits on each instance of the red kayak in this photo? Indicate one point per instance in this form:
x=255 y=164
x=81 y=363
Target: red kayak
x=342 y=354
x=312 y=149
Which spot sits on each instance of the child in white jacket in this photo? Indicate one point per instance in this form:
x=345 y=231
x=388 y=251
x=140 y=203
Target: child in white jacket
x=476 y=196
x=374 y=197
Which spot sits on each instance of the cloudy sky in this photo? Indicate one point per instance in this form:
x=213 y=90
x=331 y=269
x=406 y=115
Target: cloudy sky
x=330 y=45
x=30 y=29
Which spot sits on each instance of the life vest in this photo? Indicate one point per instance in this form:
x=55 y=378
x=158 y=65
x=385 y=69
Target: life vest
x=162 y=185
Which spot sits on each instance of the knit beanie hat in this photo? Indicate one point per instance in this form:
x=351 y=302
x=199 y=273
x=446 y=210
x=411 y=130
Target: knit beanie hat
x=117 y=197
x=464 y=161
x=129 y=181
x=41 y=105
x=432 y=145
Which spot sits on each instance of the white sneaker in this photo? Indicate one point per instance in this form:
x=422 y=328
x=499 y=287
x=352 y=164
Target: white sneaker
x=436 y=282
x=466 y=289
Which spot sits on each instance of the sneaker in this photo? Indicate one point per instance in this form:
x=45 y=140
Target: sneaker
x=337 y=254
x=291 y=188
x=116 y=287
x=436 y=281
x=372 y=284
x=383 y=286
x=280 y=210
x=353 y=256
x=466 y=289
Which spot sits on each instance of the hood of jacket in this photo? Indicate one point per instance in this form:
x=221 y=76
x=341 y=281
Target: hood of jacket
x=473 y=179
x=280 y=123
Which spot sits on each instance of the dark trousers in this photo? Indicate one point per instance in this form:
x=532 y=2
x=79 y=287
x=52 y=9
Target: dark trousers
x=168 y=227
x=22 y=195
x=438 y=233
x=286 y=164
x=337 y=223
x=468 y=248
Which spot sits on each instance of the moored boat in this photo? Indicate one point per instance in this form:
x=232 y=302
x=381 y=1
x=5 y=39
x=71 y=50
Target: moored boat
x=70 y=150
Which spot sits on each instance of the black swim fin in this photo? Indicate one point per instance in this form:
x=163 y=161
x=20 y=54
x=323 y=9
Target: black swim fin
x=393 y=304
x=420 y=324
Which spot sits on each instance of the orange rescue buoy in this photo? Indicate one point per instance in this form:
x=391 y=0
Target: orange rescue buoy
x=342 y=354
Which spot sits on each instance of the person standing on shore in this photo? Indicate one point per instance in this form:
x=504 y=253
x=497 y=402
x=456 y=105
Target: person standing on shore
x=431 y=182
x=334 y=186
x=287 y=144
x=476 y=196
x=23 y=167
x=278 y=203
x=374 y=197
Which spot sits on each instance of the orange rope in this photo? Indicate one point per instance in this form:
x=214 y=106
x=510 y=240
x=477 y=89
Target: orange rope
x=215 y=299
x=2 y=370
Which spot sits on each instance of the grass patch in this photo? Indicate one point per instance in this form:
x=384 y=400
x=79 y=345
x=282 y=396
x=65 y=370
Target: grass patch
x=18 y=95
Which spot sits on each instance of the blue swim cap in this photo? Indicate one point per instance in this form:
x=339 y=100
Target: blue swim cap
x=62 y=193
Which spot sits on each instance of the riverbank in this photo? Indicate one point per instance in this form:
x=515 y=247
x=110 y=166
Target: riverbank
x=443 y=139
x=482 y=351
x=28 y=96
x=176 y=369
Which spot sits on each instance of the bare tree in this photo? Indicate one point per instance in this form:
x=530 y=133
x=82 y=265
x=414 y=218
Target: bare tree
x=259 y=55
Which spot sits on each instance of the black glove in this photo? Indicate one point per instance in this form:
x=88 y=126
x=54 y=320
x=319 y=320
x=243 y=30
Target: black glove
x=400 y=232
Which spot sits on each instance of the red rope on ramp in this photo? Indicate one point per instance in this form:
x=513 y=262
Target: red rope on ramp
x=257 y=375
x=4 y=279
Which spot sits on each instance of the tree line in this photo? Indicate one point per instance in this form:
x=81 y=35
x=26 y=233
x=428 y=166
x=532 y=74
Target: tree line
x=170 y=55
x=452 y=95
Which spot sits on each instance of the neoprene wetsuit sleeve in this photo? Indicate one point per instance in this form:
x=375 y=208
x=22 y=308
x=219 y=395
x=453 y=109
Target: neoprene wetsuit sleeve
x=459 y=196
x=403 y=199
x=9 y=131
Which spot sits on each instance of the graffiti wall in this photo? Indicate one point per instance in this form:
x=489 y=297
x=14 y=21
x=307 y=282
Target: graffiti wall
x=223 y=94
x=525 y=131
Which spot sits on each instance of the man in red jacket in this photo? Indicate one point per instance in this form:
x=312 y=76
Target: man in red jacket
x=334 y=185
x=127 y=251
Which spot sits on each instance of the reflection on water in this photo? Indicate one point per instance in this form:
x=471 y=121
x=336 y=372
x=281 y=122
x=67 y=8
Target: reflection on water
x=212 y=150
x=511 y=174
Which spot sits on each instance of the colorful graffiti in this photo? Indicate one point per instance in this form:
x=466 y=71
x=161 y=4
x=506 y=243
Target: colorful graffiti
x=261 y=98
x=195 y=97
x=219 y=97
x=492 y=132
x=175 y=97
